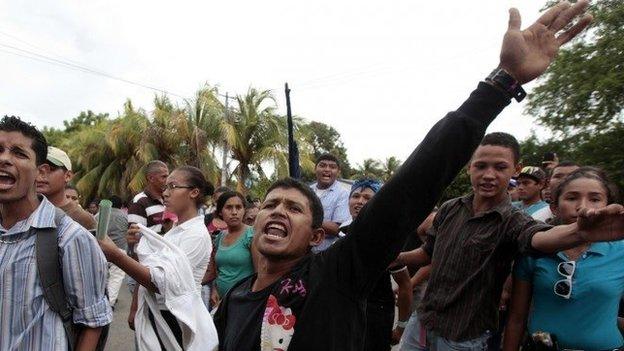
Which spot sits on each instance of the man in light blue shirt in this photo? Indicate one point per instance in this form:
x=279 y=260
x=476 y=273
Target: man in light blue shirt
x=335 y=199
x=26 y=320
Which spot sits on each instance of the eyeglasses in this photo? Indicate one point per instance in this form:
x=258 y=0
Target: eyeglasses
x=563 y=287
x=175 y=186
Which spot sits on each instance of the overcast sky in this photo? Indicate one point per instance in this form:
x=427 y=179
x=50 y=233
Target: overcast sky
x=381 y=73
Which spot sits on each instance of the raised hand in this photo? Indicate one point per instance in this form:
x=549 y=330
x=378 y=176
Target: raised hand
x=605 y=224
x=527 y=54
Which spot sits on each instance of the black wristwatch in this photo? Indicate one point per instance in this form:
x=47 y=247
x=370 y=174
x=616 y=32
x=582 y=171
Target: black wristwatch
x=503 y=80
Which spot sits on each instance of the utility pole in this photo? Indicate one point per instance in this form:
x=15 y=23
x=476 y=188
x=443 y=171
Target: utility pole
x=225 y=145
x=293 y=151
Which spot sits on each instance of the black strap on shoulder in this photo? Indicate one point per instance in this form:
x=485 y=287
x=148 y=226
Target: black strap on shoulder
x=49 y=267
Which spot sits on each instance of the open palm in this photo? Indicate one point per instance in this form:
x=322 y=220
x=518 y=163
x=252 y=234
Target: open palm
x=526 y=54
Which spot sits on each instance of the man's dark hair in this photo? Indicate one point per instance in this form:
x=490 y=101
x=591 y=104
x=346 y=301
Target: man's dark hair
x=327 y=157
x=39 y=143
x=504 y=140
x=116 y=201
x=315 y=203
x=154 y=166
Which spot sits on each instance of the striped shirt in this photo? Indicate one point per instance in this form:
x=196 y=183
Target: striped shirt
x=26 y=321
x=147 y=209
x=471 y=257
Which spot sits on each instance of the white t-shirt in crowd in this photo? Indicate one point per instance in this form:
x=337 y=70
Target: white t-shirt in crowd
x=193 y=239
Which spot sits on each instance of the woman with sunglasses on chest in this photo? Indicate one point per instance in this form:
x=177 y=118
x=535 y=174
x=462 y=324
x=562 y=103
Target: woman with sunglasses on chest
x=572 y=296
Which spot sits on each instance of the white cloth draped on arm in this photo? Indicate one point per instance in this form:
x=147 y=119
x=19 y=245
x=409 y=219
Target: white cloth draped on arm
x=171 y=272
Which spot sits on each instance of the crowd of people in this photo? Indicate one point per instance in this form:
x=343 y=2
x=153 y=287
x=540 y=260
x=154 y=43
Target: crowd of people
x=531 y=258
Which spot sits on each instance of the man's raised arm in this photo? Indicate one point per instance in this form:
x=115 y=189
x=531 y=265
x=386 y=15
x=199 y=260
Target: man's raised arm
x=383 y=224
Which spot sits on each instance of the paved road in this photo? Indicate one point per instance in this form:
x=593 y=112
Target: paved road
x=120 y=337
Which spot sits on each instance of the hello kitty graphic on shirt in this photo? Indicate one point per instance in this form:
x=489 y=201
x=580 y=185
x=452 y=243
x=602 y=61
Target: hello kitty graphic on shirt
x=278 y=327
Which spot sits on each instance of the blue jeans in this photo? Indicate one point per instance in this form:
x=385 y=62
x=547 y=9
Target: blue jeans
x=414 y=336
x=438 y=343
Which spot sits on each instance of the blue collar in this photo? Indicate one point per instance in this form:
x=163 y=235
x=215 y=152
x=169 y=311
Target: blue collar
x=601 y=248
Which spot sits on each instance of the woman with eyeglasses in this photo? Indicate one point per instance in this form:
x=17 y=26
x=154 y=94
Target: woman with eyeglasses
x=184 y=193
x=233 y=259
x=572 y=296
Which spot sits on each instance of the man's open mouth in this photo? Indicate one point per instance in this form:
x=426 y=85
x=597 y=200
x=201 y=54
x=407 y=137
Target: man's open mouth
x=7 y=180
x=276 y=230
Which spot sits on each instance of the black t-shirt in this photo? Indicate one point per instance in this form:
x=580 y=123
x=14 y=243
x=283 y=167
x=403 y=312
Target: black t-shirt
x=245 y=312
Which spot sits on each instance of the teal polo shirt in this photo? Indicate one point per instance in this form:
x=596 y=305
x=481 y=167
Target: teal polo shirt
x=588 y=320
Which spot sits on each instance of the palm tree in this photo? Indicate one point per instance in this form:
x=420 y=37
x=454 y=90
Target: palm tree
x=369 y=168
x=390 y=166
x=110 y=155
x=204 y=130
x=254 y=133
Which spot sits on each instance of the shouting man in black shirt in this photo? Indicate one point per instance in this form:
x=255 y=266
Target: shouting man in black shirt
x=300 y=301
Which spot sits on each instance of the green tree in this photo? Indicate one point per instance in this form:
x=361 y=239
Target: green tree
x=56 y=136
x=459 y=187
x=255 y=134
x=204 y=120
x=605 y=151
x=109 y=156
x=533 y=150
x=369 y=168
x=325 y=139
x=583 y=90
x=390 y=166
x=84 y=119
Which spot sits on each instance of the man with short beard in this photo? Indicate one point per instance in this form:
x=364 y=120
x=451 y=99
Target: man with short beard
x=56 y=175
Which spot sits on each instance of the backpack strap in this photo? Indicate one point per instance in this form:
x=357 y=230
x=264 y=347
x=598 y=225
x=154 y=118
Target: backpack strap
x=49 y=267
